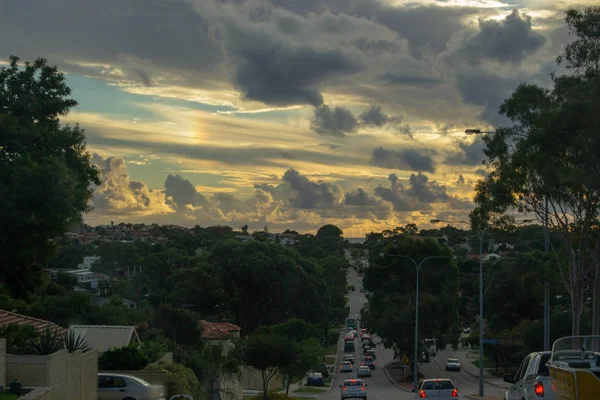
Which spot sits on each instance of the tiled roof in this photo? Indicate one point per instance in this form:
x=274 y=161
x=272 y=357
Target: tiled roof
x=217 y=330
x=8 y=318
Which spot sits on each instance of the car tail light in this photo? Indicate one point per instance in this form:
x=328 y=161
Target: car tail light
x=362 y=388
x=422 y=394
x=344 y=389
x=455 y=392
x=538 y=388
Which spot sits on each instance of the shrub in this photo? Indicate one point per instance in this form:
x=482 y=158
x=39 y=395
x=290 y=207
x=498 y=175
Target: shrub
x=123 y=358
x=180 y=379
x=153 y=350
x=333 y=336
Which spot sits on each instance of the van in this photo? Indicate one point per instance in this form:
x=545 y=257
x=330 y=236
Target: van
x=349 y=347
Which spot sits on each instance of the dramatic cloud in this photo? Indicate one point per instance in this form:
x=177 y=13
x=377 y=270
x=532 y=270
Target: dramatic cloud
x=182 y=191
x=309 y=194
x=399 y=78
x=460 y=181
x=469 y=153
x=509 y=40
x=337 y=121
x=406 y=159
x=117 y=193
x=359 y=198
x=426 y=191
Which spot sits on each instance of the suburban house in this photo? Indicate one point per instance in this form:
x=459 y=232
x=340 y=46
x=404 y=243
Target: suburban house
x=9 y=318
x=223 y=333
x=105 y=337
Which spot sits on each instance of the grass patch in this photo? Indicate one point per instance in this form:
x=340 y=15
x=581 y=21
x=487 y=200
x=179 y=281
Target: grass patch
x=330 y=359
x=331 y=350
x=487 y=363
x=311 y=389
x=7 y=396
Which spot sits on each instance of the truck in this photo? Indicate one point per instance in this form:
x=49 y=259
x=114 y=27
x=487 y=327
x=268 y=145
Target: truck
x=575 y=368
x=532 y=380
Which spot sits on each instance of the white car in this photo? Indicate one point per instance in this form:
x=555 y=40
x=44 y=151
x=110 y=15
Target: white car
x=363 y=370
x=440 y=389
x=532 y=380
x=354 y=388
x=452 y=364
x=346 y=366
x=119 y=386
x=349 y=357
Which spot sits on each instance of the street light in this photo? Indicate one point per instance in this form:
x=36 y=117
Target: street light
x=480 y=233
x=418 y=267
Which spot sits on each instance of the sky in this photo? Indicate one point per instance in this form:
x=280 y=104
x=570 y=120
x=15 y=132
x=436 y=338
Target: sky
x=288 y=113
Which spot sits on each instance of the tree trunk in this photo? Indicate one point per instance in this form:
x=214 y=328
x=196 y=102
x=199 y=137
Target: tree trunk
x=265 y=384
x=576 y=309
x=287 y=385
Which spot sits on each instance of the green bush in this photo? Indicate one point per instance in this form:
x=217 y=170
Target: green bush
x=180 y=379
x=123 y=358
x=333 y=336
x=153 y=350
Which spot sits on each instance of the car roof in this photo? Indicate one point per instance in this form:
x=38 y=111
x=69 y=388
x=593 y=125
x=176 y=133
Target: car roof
x=346 y=362
x=437 y=380
x=110 y=374
x=364 y=367
x=452 y=359
x=353 y=380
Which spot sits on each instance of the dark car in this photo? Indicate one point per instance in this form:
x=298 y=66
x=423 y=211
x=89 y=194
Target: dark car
x=349 y=347
x=324 y=370
x=369 y=362
x=315 y=379
x=370 y=352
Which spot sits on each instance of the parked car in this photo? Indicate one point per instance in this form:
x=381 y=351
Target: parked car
x=119 y=386
x=532 y=380
x=315 y=379
x=452 y=364
x=353 y=388
x=440 y=389
x=346 y=366
x=349 y=357
x=363 y=371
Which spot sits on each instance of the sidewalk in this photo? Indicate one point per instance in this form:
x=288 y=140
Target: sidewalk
x=466 y=356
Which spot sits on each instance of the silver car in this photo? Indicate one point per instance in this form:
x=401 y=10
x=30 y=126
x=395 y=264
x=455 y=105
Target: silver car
x=118 y=387
x=346 y=367
x=363 y=371
x=353 y=388
x=440 y=389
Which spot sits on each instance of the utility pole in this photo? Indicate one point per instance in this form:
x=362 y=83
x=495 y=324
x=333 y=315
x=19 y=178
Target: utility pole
x=546 y=283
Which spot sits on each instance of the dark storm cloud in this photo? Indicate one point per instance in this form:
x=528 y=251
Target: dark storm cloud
x=509 y=40
x=469 y=153
x=398 y=78
x=406 y=159
x=111 y=32
x=419 y=195
x=182 y=191
x=359 y=198
x=333 y=121
x=309 y=194
x=426 y=191
x=374 y=116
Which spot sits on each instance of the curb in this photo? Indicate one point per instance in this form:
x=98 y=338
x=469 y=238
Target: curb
x=486 y=381
x=393 y=381
x=337 y=356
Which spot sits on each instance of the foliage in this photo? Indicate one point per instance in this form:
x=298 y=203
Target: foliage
x=272 y=396
x=549 y=154
x=268 y=353
x=179 y=325
x=180 y=379
x=45 y=171
x=50 y=341
x=310 y=353
x=328 y=231
x=18 y=337
x=153 y=350
x=391 y=311
x=123 y=358
x=74 y=342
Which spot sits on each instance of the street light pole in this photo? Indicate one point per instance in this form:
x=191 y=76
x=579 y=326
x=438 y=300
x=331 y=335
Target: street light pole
x=417 y=267
x=546 y=282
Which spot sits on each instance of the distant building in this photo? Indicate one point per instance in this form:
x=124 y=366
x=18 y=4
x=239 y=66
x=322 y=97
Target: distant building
x=105 y=337
x=88 y=261
x=10 y=318
x=84 y=277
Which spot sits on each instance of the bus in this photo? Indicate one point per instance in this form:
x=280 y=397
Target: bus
x=351 y=323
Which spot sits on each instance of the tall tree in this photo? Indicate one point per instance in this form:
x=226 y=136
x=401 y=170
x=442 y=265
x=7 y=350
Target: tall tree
x=45 y=170
x=551 y=153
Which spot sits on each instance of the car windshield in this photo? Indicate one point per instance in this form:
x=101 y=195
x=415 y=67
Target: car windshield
x=453 y=360
x=438 y=385
x=346 y=363
x=353 y=383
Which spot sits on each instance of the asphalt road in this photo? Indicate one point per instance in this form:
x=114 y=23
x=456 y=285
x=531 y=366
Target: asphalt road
x=379 y=386
x=466 y=383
